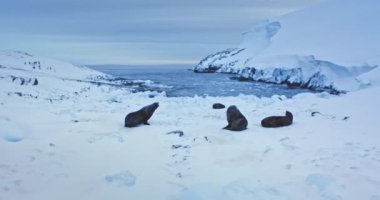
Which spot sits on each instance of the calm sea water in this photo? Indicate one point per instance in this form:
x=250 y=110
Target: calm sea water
x=183 y=82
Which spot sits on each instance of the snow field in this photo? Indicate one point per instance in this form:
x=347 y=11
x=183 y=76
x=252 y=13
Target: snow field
x=75 y=146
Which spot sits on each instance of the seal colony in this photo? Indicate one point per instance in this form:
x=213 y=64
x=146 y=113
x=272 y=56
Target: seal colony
x=141 y=116
x=236 y=120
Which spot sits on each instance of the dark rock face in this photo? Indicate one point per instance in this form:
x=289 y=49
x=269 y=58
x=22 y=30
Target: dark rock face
x=278 y=121
x=141 y=116
x=218 y=106
x=24 y=80
x=242 y=78
x=208 y=65
x=293 y=77
x=236 y=120
x=210 y=69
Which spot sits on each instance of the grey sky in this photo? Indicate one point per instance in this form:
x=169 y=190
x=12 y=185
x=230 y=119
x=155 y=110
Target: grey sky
x=132 y=32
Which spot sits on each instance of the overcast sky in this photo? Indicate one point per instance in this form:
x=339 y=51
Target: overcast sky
x=132 y=31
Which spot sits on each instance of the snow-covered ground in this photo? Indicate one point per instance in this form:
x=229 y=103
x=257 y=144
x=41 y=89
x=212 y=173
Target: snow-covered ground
x=65 y=139
x=62 y=133
x=323 y=47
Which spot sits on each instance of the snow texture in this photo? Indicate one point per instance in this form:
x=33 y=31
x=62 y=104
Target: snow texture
x=122 y=179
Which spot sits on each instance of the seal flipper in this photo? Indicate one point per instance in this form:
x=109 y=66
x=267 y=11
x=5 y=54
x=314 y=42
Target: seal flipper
x=228 y=127
x=146 y=123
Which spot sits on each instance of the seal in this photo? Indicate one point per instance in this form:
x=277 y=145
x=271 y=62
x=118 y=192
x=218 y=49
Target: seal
x=236 y=120
x=218 y=106
x=277 y=121
x=141 y=116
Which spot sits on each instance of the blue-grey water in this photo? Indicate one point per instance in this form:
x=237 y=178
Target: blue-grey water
x=184 y=82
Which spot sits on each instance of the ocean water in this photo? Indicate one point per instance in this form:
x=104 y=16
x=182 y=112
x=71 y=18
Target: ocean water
x=181 y=81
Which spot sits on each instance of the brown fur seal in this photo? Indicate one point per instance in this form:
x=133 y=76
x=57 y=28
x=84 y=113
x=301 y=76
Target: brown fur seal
x=277 y=121
x=236 y=120
x=141 y=116
x=218 y=106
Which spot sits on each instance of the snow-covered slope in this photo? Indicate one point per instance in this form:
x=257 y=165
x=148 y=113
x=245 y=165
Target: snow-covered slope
x=25 y=75
x=329 y=29
x=22 y=74
x=326 y=46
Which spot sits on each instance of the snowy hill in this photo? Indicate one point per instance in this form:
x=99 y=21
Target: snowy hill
x=25 y=75
x=328 y=29
x=323 y=47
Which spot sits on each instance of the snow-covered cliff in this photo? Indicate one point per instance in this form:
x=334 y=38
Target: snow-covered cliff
x=323 y=47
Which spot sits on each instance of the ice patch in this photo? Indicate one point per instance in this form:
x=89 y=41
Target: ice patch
x=12 y=138
x=122 y=179
x=321 y=181
x=13 y=132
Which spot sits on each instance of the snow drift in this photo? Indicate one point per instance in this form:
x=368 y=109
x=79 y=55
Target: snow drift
x=304 y=48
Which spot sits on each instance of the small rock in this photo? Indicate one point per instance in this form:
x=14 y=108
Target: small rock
x=179 y=175
x=177 y=146
x=314 y=113
x=288 y=166
x=346 y=117
x=35 y=82
x=179 y=132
